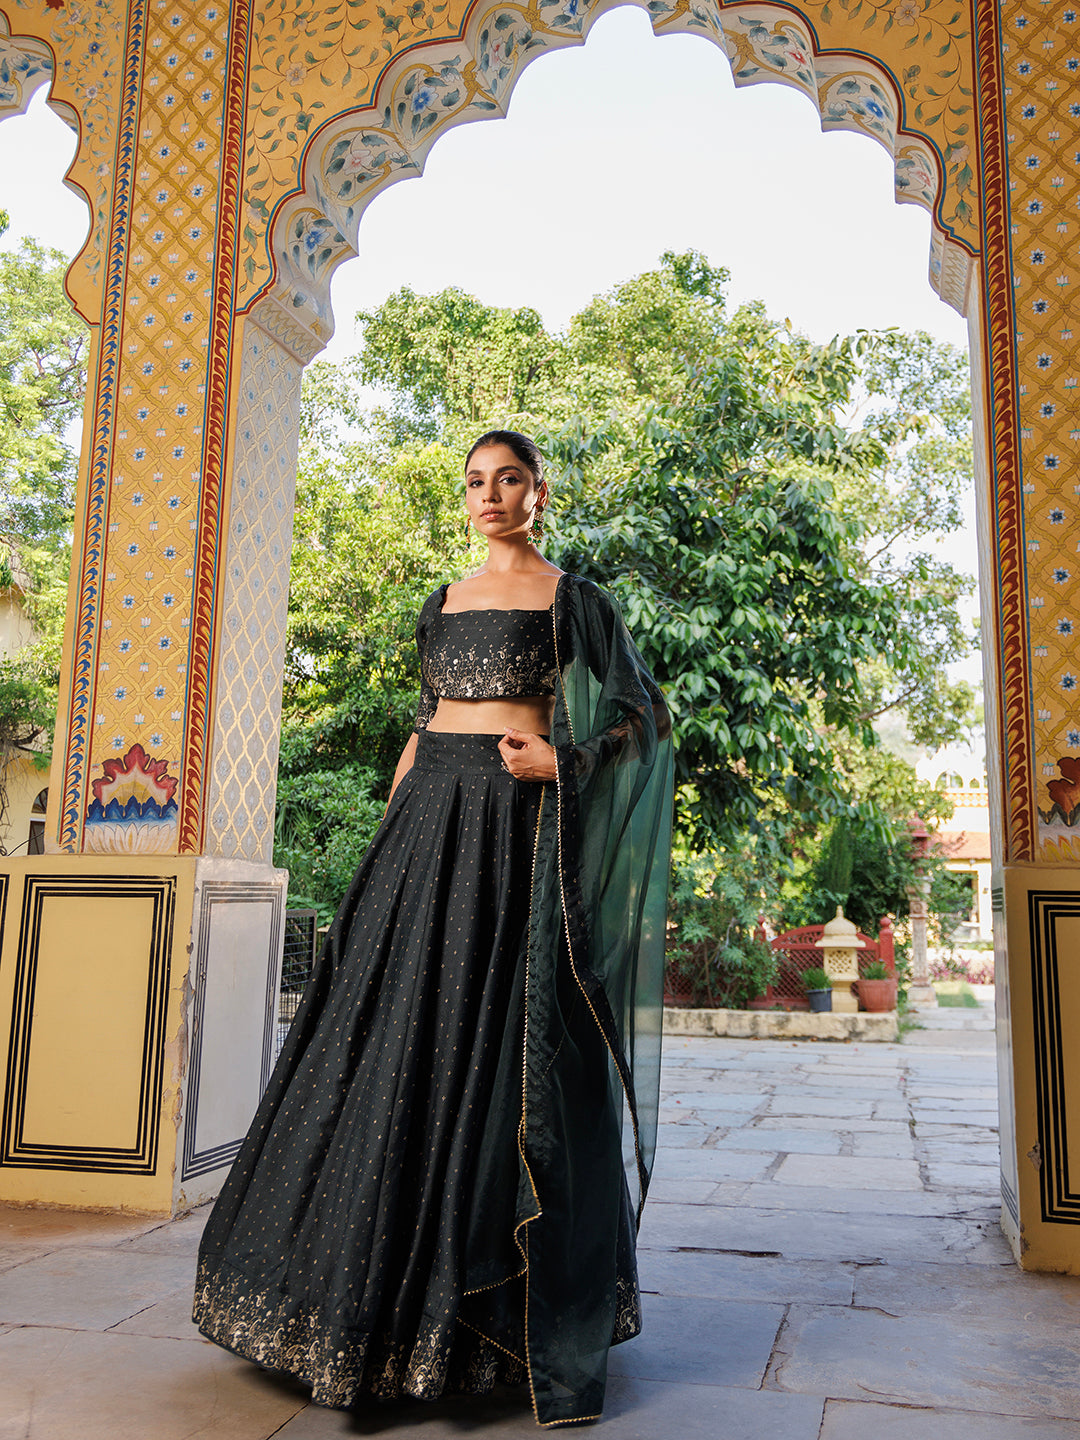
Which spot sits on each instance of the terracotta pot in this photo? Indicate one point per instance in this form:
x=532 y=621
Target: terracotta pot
x=877 y=996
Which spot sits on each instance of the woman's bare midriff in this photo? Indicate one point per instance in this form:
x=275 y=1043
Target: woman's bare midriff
x=491 y=717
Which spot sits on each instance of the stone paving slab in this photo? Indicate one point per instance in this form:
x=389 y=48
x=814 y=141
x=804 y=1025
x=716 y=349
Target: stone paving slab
x=89 y=1289
x=721 y=1163
x=168 y=1319
x=681 y=1137
x=840 y=1201
x=635 y=1410
x=744 y=1277
x=953 y=1176
x=819 y=1235
x=687 y=1339
x=78 y=1385
x=999 y=1295
x=176 y=1237
x=852 y=1354
x=806 y=1276
x=849 y=1420
x=850 y=1172
x=809 y=1123
x=790 y=1141
x=53 y=1229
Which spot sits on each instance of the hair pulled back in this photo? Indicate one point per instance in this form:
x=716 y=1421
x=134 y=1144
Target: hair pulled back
x=526 y=450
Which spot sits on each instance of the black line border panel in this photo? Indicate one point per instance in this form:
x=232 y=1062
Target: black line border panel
x=229 y=892
x=1057 y=1178
x=19 y=1150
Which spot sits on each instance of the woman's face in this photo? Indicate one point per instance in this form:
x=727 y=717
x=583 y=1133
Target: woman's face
x=500 y=492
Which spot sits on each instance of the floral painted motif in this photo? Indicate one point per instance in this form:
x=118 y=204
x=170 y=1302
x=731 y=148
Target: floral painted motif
x=133 y=810
x=916 y=175
x=19 y=66
x=358 y=163
x=313 y=244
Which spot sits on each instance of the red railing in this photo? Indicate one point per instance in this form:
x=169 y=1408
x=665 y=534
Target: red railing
x=796 y=952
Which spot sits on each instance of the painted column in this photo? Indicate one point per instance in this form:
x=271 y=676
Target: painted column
x=141 y=954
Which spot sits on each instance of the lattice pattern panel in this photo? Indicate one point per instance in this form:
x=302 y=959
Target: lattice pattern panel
x=1041 y=45
x=244 y=753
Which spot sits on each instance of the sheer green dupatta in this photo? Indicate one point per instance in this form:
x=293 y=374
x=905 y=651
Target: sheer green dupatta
x=594 y=989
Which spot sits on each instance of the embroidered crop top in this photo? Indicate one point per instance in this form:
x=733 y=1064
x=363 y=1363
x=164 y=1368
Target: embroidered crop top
x=482 y=655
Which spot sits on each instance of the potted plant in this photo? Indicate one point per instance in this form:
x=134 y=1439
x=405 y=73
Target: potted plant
x=818 y=989
x=877 y=988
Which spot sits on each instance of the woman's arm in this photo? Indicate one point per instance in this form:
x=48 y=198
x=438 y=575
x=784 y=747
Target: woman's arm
x=404 y=765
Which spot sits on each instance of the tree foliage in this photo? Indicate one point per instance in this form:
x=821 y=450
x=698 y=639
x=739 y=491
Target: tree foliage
x=43 y=350
x=760 y=504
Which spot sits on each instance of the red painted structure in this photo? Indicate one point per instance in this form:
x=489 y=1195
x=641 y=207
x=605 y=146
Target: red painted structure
x=797 y=952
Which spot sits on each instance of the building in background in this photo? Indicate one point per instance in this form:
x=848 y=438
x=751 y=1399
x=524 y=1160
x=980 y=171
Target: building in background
x=965 y=839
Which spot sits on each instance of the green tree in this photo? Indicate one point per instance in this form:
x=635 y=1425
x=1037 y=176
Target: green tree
x=43 y=348
x=756 y=501
x=902 y=402
x=366 y=545
x=735 y=574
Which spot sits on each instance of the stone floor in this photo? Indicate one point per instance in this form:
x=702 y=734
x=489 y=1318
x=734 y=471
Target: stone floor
x=821 y=1261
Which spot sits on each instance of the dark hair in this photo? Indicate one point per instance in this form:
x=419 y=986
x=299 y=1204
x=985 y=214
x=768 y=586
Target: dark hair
x=526 y=450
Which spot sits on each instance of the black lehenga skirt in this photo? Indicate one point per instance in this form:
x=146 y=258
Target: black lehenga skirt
x=365 y=1240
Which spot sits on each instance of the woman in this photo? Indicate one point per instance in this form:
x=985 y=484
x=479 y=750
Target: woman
x=432 y=1195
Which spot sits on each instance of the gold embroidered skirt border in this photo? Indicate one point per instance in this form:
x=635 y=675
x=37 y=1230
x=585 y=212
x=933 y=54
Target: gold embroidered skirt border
x=341 y=1365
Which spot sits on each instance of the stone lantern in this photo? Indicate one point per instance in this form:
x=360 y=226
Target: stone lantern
x=840 y=946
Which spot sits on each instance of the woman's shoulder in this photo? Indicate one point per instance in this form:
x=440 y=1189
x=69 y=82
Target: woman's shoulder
x=433 y=603
x=589 y=594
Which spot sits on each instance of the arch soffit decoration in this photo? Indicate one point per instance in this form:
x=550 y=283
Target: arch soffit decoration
x=917 y=103
x=79 y=54
x=285 y=282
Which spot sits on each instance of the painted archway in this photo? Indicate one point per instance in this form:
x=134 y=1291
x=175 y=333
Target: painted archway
x=227 y=153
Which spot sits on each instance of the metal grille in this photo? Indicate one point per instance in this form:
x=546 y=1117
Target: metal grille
x=796 y=952
x=301 y=939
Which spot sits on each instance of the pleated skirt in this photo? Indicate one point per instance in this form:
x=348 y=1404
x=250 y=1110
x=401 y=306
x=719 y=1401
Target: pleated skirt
x=364 y=1241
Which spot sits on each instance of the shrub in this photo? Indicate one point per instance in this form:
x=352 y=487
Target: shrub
x=815 y=979
x=325 y=821
x=713 y=915
x=958 y=965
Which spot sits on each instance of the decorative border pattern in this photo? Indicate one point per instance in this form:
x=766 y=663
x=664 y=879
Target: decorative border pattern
x=1014 y=693
x=84 y=641
x=298 y=230
x=22 y=1152
x=1059 y=1191
x=208 y=552
x=226 y=892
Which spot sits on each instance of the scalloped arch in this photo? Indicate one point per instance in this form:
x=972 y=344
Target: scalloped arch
x=422 y=94
x=83 y=81
x=25 y=65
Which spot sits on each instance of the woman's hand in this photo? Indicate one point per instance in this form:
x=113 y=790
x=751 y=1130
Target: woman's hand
x=526 y=756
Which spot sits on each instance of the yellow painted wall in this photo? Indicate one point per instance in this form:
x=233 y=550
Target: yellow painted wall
x=106 y=949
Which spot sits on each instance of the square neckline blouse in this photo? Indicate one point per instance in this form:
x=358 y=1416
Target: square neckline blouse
x=495 y=654
x=444 y=590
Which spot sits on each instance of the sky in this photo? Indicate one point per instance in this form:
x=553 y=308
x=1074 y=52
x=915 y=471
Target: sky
x=611 y=153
